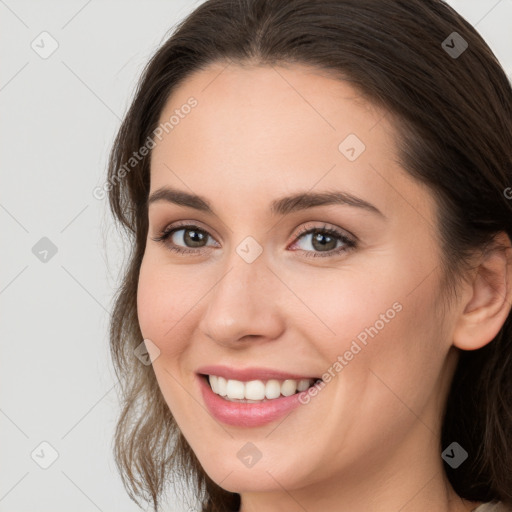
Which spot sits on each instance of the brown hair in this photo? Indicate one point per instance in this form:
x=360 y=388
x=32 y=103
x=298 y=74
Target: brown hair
x=454 y=130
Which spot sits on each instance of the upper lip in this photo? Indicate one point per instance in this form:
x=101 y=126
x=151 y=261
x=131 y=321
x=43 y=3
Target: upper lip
x=250 y=373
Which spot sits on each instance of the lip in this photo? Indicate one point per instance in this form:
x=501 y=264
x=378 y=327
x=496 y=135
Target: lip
x=242 y=414
x=252 y=373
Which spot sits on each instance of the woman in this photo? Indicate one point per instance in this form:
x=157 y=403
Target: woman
x=316 y=194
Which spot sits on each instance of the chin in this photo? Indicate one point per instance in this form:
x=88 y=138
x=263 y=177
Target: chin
x=261 y=477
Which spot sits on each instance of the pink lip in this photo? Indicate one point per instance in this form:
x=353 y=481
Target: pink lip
x=242 y=414
x=247 y=374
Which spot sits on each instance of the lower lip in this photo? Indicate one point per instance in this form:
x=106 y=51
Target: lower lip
x=243 y=414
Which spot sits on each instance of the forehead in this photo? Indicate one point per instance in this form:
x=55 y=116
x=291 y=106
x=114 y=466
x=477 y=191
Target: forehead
x=273 y=98
x=258 y=129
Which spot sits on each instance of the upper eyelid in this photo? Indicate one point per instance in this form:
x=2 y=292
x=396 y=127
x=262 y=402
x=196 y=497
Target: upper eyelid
x=186 y=224
x=327 y=227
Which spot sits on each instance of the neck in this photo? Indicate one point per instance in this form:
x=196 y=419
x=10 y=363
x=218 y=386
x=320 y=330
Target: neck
x=425 y=491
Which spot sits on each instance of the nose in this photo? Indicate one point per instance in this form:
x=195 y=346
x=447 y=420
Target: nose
x=244 y=304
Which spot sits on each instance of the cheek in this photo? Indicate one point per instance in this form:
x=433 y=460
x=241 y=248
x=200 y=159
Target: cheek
x=378 y=317
x=169 y=307
x=161 y=303
x=161 y=310
x=341 y=303
x=150 y=306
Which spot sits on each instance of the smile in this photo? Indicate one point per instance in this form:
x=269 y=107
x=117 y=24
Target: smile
x=255 y=391
x=236 y=409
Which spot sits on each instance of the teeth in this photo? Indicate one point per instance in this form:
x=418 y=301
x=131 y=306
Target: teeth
x=257 y=390
x=303 y=385
x=235 y=389
x=253 y=390
x=272 y=389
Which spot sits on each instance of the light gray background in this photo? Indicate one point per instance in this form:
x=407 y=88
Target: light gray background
x=58 y=119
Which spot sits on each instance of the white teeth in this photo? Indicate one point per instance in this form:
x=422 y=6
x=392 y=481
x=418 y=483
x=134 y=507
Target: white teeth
x=272 y=389
x=235 y=389
x=214 y=383
x=288 y=387
x=254 y=390
x=257 y=390
x=221 y=386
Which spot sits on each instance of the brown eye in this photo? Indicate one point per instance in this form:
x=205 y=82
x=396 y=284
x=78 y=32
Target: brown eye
x=184 y=239
x=325 y=240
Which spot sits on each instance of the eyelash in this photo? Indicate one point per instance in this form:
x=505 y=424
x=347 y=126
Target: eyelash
x=349 y=243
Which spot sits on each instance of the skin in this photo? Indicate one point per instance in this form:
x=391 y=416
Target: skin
x=370 y=440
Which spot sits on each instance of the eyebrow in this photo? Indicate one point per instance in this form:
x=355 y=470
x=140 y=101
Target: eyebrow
x=282 y=206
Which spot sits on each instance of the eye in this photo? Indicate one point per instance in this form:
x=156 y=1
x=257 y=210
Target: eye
x=325 y=240
x=188 y=235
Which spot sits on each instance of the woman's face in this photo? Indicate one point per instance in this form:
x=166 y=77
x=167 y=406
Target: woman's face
x=360 y=304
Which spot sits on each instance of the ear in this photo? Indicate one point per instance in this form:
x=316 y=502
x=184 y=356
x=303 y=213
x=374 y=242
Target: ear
x=487 y=297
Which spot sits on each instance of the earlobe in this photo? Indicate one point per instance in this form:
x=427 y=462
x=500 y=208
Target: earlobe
x=488 y=300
